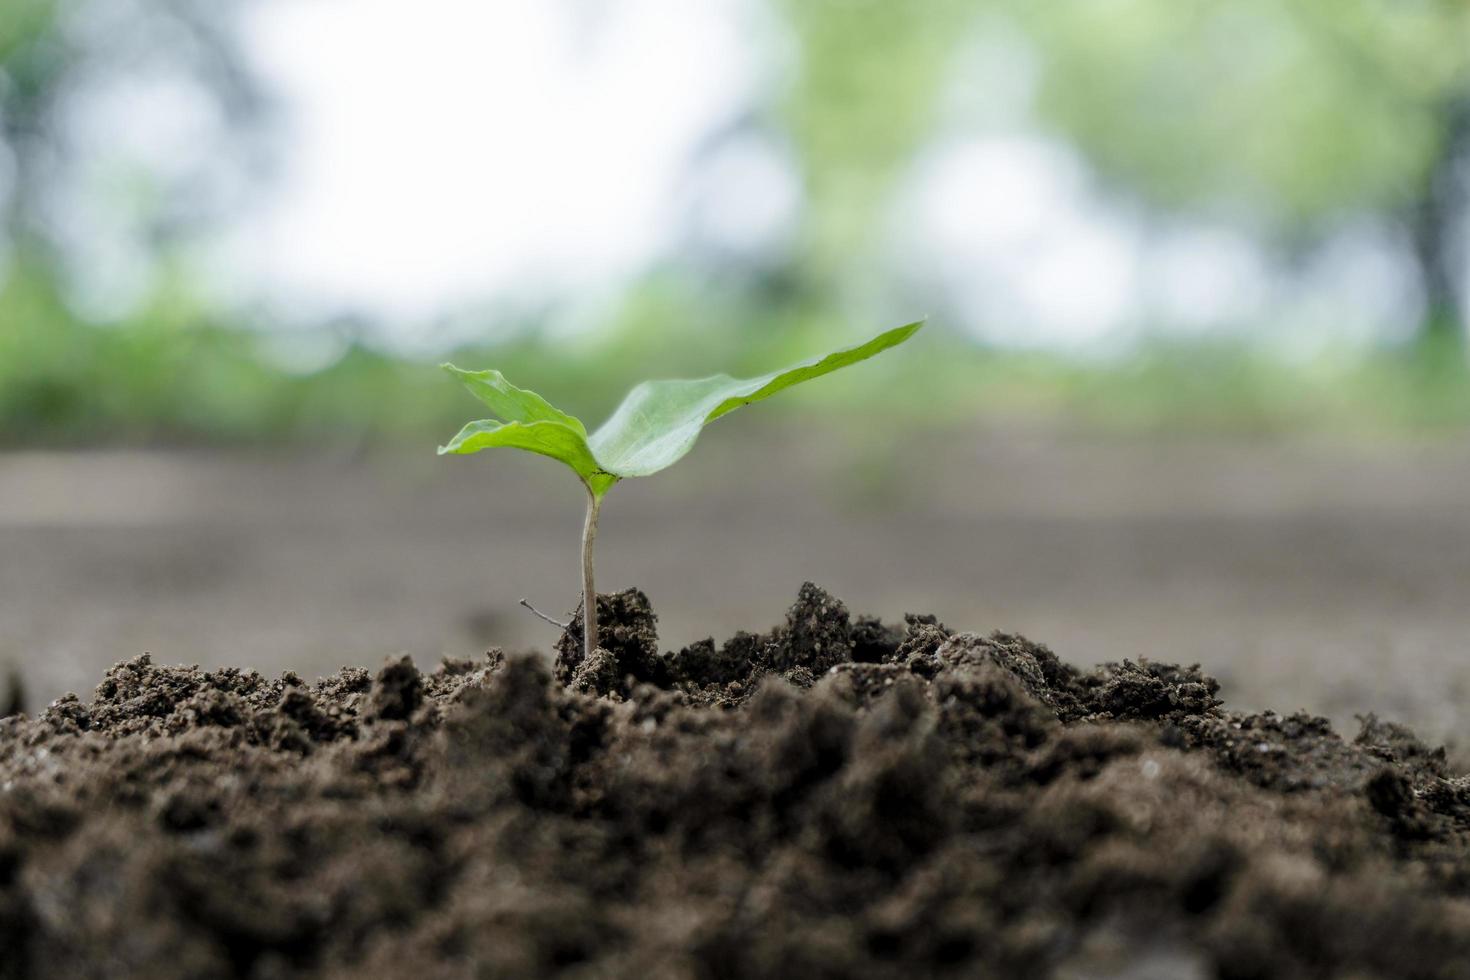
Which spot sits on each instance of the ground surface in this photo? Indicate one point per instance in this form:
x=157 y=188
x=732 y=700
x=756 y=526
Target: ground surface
x=829 y=798
x=1335 y=579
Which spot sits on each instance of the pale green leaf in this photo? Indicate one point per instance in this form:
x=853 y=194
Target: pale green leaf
x=659 y=421
x=510 y=403
x=560 y=442
x=651 y=430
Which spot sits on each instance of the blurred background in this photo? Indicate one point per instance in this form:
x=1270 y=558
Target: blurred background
x=1194 y=385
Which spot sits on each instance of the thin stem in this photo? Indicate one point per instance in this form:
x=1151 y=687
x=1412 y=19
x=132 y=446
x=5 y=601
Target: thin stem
x=589 y=589
x=543 y=617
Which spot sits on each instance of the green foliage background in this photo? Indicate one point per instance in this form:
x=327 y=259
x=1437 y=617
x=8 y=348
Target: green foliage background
x=1293 y=116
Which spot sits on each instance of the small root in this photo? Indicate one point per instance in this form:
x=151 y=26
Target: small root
x=541 y=615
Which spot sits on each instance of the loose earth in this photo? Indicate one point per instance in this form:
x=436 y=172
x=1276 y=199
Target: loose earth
x=835 y=797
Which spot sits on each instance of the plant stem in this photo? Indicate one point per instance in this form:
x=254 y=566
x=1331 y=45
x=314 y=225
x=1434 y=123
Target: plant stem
x=589 y=590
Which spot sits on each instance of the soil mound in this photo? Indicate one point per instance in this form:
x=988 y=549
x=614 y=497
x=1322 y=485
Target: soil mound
x=835 y=797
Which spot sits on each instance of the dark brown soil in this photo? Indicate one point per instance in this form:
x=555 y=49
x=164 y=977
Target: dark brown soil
x=832 y=798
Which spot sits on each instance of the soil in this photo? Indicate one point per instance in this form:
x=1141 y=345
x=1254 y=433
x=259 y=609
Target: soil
x=834 y=797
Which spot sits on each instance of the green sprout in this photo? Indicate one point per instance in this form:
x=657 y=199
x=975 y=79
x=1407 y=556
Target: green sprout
x=653 y=428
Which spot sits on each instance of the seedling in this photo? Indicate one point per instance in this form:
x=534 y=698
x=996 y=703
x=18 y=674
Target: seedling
x=652 y=429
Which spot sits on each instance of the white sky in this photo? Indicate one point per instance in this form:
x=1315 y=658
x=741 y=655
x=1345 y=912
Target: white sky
x=474 y=149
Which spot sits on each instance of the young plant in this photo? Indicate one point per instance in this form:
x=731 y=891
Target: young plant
x=656 y=424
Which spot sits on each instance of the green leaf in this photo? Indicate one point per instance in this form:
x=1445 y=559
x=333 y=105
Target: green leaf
x=509 y=402
x=560 y=442
x=657 y=423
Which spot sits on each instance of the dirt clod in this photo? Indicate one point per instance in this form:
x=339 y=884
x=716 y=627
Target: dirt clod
x=833 y=797
x=627 y=630
x=818 y=634
x=397 y=692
